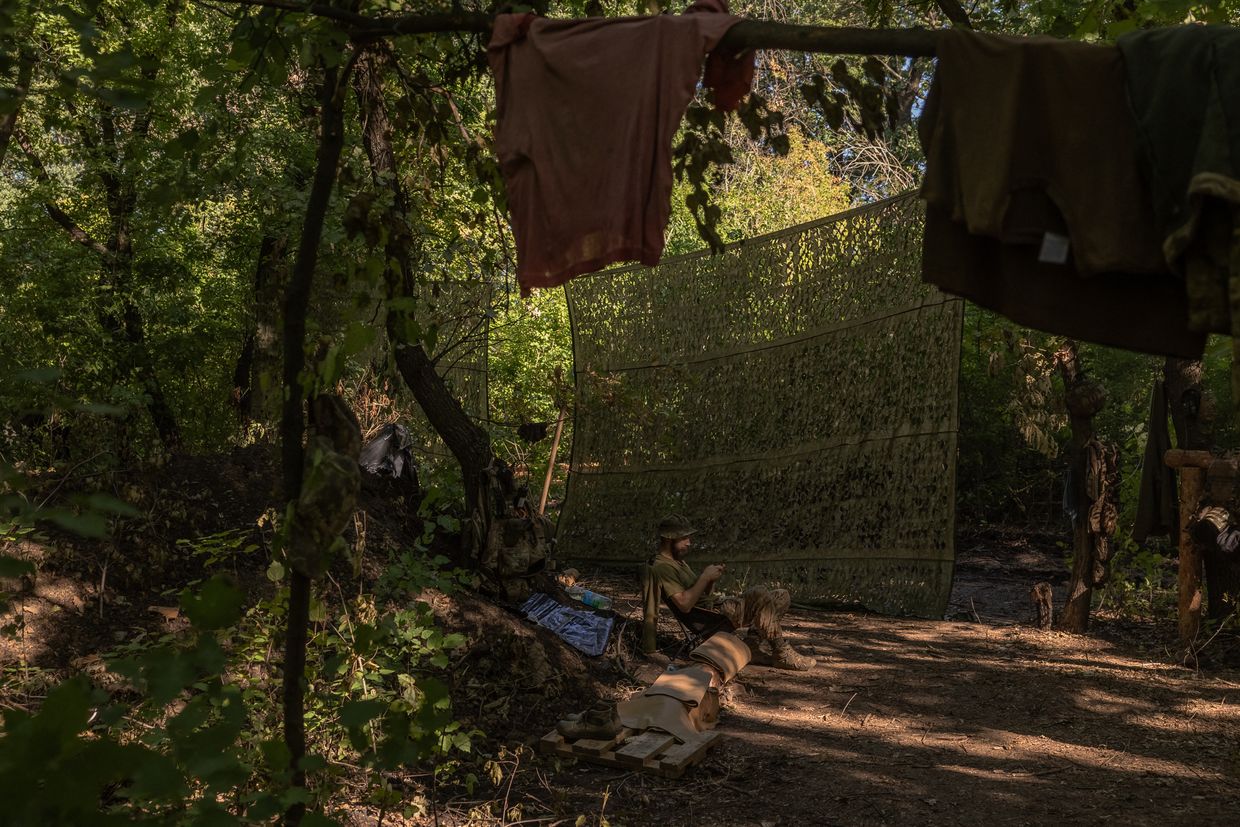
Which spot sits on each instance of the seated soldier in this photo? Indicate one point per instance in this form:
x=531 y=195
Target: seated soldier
x=690 y=598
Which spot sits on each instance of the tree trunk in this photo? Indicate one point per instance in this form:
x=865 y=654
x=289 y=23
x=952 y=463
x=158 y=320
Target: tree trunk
x=292 y=421
x=1081 y=410
x=469 y=444
x=8 y=120
x=257 y=363
x=118 y=277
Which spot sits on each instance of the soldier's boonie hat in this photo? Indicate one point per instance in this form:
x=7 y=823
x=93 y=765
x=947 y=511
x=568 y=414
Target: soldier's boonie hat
x=675 y=526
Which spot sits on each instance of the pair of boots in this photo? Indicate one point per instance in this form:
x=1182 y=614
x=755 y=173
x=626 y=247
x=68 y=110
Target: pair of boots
x=778 y=653
x=601 y=722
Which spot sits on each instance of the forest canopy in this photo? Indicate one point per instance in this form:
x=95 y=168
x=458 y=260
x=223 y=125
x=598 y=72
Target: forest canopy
x=216 y=215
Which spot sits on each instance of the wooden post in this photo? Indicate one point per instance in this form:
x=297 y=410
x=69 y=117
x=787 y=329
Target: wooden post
x=1191 y=479
x=555 y=448
x=1192 y=466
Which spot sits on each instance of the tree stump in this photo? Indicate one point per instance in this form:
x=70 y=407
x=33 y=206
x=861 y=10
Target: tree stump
x=1043 y=598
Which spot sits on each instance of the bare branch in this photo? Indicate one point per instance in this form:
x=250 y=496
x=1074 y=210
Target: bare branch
x=955 y=13
x=747 y=34
x=58 y=215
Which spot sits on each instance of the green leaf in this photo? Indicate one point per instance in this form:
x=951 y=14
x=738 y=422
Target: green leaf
x=216 y=606
x=12 y=567
x=112 y=505
x=358 y=337
x=358 y=713
x=157 y=778
x=167 y=673
x=311 y=762
x=84 y=525
x=275 y=754
x=275 y=572
x=101 y=409
x=42 y=375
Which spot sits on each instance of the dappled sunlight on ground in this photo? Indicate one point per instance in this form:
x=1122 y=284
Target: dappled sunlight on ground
x=961 y=723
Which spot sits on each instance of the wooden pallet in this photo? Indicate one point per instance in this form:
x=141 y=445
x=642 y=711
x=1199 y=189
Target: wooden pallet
x=648 y=751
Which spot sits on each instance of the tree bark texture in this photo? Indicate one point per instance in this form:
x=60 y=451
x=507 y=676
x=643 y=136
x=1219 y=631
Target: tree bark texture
x=293 y=422
x=469 y=444
x=747 y=34
x=1042 y=596
x=258 y=363
x=1192 y=481
x=8 y=120
x=1083 y=404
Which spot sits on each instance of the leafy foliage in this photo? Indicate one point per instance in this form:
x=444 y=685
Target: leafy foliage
x=151 y=196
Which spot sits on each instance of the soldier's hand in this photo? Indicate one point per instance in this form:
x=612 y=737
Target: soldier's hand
x=713 y=573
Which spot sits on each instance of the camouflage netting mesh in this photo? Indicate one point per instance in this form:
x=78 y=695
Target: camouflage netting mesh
x=794 y=397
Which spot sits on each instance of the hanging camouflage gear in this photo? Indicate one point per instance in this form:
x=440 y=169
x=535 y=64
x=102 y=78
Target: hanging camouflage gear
x=1102 y=481
x=518 y=542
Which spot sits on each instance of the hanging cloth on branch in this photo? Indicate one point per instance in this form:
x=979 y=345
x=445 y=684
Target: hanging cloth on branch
x=1035 y=205
x=1184 y=86
x=1158 y=501
x=586 y=112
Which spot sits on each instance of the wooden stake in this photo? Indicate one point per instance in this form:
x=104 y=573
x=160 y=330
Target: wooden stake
x=555 y=448
x=1191 y=479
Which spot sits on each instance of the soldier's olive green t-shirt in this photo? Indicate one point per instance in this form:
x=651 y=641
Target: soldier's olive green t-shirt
x=674 y=577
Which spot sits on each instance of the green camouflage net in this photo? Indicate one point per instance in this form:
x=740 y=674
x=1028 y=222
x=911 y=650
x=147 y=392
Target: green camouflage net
x=795 y=397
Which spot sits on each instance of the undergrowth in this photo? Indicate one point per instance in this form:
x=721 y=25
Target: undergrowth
x=185 y=727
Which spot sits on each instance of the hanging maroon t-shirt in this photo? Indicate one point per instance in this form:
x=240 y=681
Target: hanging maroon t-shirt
x=586 y=114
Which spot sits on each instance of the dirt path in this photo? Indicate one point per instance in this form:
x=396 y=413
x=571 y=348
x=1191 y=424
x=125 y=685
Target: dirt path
x=947 y=723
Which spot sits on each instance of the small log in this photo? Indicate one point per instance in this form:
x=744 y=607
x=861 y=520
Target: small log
x=1180 y=458
x=1043 y=598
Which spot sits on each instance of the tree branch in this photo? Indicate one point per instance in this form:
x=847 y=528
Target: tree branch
x=840 y=40
x=955 y=13
x=8 y=121
x=747 y=34
x=56 y=213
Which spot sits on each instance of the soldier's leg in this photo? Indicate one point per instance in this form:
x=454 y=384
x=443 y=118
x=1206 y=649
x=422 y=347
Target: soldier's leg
x=733 y=608
x=764 y=612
